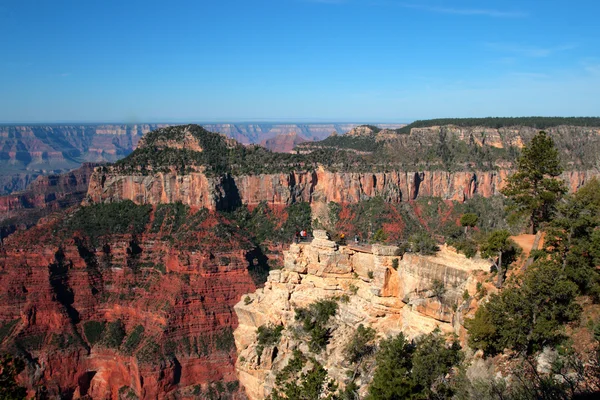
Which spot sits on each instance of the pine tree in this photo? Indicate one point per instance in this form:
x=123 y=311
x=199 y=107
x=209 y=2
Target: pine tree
x=534 y=189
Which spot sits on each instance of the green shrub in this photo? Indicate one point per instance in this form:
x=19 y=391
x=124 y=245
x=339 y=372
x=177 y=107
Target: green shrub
x=360 y=345
x=169 y=217
x=395 y=264
x=127 y=393
x=438 y=288
x=224 y=340
x=98 y=220
x=267 y=336
x=314 y=320
x=415 y=370
x=233 y=386
x=423 y=243
x=466 y=246
x=528 y=317
x=292 y=383
x=114 y=334
x=380 y=236
x=469 y=220
x=150 y=353
x=133 y=339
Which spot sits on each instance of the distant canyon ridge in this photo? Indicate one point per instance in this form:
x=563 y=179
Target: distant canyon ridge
x=30 y=151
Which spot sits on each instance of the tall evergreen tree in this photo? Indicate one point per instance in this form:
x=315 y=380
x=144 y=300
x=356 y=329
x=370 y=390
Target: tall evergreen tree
x=534 y=189
x=573 y=238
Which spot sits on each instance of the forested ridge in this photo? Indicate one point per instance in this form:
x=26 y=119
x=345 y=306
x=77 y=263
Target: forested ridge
x=503 y=122
x=446 y=150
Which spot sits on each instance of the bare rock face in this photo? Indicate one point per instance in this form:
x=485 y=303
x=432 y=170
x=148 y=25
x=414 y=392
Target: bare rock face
x=51 y=289
x=375 y=294
x=362 y=130
x=321 y=186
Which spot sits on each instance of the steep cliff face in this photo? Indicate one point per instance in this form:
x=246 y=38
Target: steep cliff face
x=370 y=291
x=320 y=186
x=146 y=314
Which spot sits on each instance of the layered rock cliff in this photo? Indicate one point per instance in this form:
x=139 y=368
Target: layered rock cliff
x=203 y=169
x=46 y=194
x=319 y=186
x=32 y=150
x=137 y=314
x=373 y=285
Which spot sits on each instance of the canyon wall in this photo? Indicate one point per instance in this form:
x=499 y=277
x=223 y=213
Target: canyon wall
x=196 y=189
x=47 y=193
x=28 y=151
x=369 y=291
x=177 y=293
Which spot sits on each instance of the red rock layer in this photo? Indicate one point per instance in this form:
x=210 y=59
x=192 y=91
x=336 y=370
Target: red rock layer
x=49 y=288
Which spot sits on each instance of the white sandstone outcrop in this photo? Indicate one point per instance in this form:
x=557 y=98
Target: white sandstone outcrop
x=370 y=292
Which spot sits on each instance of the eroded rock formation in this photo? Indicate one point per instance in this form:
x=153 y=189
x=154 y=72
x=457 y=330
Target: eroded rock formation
x=196 y=189
x=46 y=194
x=180 y=299
x=370 y=290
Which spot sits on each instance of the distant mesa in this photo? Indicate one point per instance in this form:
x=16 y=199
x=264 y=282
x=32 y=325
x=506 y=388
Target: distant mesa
x=283 y=143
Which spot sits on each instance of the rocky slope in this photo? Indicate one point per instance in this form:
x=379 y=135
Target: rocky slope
x=371 y=289
x=146 y=313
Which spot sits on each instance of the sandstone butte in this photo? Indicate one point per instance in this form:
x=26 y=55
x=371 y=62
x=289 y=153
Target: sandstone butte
x=186 y=288
x=387 y=299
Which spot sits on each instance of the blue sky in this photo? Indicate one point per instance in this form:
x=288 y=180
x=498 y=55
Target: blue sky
x=296 y=60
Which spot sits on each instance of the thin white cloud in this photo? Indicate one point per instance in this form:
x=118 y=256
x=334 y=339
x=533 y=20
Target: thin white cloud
x=529 y=51
x=465 y=11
